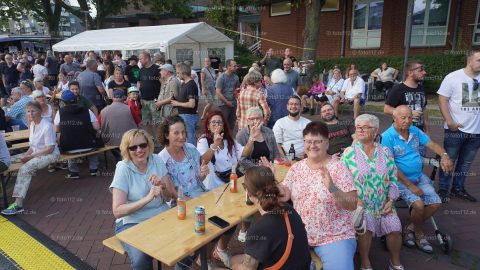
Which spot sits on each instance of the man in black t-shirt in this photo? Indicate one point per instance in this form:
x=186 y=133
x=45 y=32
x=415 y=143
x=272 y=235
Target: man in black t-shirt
x=149 y=85
x=10 y=76
x=187 y=101
x=411 y=93
x=340 y=134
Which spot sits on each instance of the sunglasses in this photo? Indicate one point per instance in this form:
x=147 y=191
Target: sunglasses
x=476 y=84
x=135 y=147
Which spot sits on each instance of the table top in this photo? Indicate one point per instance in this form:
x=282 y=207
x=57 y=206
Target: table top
x=169 y=240
x=17 y=135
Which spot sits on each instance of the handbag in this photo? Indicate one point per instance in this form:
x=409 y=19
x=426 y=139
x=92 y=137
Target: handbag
x=359 y=222
x=288 y=249
x=225 y=176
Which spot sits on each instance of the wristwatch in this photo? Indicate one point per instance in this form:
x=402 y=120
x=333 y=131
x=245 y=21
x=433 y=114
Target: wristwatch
x=333 y=189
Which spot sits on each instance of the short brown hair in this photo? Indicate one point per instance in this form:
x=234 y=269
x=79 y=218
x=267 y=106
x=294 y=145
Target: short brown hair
x=164 y=128
x=316 y=128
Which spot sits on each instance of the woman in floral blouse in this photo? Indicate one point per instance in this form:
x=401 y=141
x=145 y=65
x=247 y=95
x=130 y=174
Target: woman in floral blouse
x=375 y=174
x=324 y=194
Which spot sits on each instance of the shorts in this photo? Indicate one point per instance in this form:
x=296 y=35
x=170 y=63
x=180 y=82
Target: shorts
x=429 y=195
x=150 y=115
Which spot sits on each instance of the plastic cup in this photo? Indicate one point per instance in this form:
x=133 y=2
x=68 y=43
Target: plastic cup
x=16 y=128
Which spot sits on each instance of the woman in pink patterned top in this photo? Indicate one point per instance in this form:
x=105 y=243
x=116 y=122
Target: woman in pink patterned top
x=323 y=193
x=317 y=92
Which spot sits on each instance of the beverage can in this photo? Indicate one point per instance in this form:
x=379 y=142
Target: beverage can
x=199 y=220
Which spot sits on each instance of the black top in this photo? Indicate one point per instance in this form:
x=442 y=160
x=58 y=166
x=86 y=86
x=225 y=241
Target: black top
x=267 y=240
x=339 y=136
x=260 y=149
x=71 y=118
x=215 y=62
x=53 y=66
x=3 y=121
x=412 y=97
x=124 y=86
x=150 y=83
x=188 y=91
x=12 y=75
x=132 y=73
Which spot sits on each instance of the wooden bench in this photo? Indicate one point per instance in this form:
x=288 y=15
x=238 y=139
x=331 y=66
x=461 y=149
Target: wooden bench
x=114 y=244
x=19 y=146
x=5 y=176
x=316 y=260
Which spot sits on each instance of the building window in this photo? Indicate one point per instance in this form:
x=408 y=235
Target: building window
x=331 y=5
x=367 y=24
x=184 y=55
x=281 y=8
x=476 y=28
x=429 y=23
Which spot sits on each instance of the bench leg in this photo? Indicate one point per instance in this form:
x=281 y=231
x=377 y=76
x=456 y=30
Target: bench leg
x=4 y=190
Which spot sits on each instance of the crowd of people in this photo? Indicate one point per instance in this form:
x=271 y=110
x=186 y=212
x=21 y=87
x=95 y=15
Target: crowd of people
x=339 y=194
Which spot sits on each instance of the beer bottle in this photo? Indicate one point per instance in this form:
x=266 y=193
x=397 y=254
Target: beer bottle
x=291 y=153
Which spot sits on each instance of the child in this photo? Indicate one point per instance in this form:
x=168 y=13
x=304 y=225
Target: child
x=317 y=92
x=133 y=100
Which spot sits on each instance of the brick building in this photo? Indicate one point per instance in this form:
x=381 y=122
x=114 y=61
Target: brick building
x=375 y=27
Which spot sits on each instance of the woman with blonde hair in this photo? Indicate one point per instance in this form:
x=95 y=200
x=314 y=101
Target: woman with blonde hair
x=140 y=187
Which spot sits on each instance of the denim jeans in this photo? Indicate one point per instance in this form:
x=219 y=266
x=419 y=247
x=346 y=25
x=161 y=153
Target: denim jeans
x=337 y=255
x=462 y=147
x=138 y=259
x=190 y=124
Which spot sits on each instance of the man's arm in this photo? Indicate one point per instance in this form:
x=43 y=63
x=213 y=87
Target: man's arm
x=445 y=161
x=388 y=109
x=443 y=104
x=218 y=91
x=395 y=74
x=189 y=104
x=426 y=125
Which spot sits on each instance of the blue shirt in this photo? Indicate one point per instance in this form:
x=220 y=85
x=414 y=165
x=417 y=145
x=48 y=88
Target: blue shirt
x=135 y=184
x=406 y=152
x=277 y=99
x=18 y=110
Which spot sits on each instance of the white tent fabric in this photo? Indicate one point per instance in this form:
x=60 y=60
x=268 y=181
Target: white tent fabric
x=199 y=37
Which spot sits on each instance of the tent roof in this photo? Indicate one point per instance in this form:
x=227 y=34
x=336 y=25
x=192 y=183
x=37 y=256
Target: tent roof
x=142 y=37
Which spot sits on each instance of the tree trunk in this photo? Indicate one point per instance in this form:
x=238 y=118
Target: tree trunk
x=312 y=28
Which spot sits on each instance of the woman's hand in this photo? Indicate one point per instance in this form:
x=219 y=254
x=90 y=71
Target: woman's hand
x=204 y=170
x=388 y=207
x=217 y=137
x=26 y=158
x=255 y=130
x=265 y=162
x=155 y=191
x=326 y=178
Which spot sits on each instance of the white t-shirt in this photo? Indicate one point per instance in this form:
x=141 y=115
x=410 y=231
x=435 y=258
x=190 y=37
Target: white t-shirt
x=350 y=90
x=42 y=136
x=62 y=86
x=39 y=71
x=288 y=132
x=464 y=101
x=195 y=79
x=56 y=121
x=223 y=160
x=385 y=75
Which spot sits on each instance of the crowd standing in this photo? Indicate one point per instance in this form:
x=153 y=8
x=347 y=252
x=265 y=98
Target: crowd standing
x=339 y=194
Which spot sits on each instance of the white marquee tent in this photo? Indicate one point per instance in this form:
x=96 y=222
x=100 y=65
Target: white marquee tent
x=179 y=42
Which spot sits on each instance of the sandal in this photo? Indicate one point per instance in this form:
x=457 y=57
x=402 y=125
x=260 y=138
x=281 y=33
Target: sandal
x=395 y=267
x=424 y=245
x=408 y=237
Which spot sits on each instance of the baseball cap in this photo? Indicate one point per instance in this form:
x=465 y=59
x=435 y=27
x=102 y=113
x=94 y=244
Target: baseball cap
x=37 y=93
x=68 y=96
x=118 y=93
x=132 y=89
x=167 y=67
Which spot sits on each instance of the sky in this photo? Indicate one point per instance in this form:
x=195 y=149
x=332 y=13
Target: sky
x=93 y=11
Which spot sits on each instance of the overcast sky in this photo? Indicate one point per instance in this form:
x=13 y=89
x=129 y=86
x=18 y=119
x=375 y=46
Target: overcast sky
x=93 y=11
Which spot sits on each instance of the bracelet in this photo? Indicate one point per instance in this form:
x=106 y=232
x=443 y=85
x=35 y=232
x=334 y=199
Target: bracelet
x=251 y=139
x=214 y=149
x=333 y=189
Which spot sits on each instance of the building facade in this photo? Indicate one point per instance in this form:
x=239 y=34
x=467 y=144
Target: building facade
x=353 y=28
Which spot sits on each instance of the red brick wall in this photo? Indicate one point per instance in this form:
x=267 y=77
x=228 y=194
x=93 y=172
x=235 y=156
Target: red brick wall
x=289 y=29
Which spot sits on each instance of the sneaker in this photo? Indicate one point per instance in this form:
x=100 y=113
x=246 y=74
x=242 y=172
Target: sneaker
x=242 y=236
x=51 y=168
x=13 y=209
x=223 y=256
x=462 y=194
x=395 y=267
x=72 y=175
x=94 y=172
x=443 y=194
x=61 y=166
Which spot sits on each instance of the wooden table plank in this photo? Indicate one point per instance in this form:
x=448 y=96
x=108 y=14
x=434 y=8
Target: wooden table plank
x=169 y=240
x=17 y=135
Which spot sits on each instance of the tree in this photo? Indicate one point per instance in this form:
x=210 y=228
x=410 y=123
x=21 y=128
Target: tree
x=312 y=27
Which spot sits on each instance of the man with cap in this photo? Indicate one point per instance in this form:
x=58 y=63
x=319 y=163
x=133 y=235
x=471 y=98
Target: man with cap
x=149 y=85
x=78 y=128
x=132 y=70
x=168 y=92
x=112 y=130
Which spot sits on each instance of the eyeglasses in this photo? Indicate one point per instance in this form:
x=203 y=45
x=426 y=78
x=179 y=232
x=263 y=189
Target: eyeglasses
x=476 y=84
x=362 y=129
x=216 y=122
x=420 y=68
x=135 y=147
x=353 y=74
x=254 y=118
x=315 y=142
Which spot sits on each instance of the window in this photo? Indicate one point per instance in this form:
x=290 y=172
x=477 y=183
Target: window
x=282 y=8
x=429 y=23
x=220 y=52
x=331 y=5
x=184 y=55
x=476 y=28
x=367 y=24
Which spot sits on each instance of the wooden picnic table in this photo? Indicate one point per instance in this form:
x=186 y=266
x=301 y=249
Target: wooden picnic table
x=169 y=240
x=17 y=135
